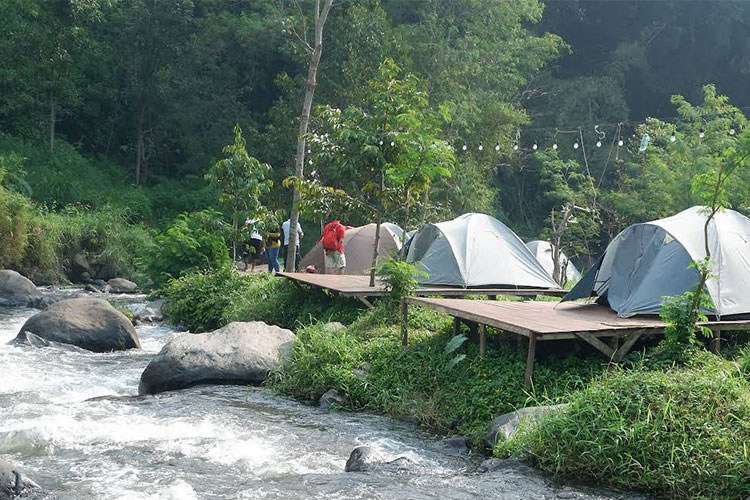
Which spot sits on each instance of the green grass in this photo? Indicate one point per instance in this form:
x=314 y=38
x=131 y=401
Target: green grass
x=680 y=433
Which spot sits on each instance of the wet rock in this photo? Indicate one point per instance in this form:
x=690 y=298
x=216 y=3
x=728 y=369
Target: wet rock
x=121 y=285
x=330 y=398
x=239 y=353
x=16 y=290
x=13 y=483
x=505 y=426
x=151 y=312
x=91 y=324
x=491 y=465
x=80 y=269
x=91 y=288
x=365 y=459
x=112 y=397
x=108 y=271
x=456 y=444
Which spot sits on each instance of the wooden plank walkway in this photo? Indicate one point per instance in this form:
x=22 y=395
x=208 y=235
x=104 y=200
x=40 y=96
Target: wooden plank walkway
x=543 y=321
x=358 y=286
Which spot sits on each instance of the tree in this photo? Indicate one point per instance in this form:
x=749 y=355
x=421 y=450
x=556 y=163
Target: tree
x=241 y=182
x=386 y=147
x=315 y=51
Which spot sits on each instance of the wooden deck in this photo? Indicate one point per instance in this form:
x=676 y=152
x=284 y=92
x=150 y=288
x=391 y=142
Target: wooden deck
x=543 y=321
x=358 y=286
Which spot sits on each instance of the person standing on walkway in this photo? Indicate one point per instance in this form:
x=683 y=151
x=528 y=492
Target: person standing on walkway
x=253 y=247
x=285 y=249
x=273 y=245
x=333 y=246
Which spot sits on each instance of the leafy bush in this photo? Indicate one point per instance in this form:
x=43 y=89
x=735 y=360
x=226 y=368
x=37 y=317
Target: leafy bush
x=194 y=242
x=680 y=433
x=15 y=219
x=401 y=280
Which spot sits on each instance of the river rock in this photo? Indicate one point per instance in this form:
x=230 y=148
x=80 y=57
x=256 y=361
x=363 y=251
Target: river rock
x=121 y=285
x=505 y=426
x=81 y=270
x=13 y=483
x=108 y=271
x=16 y=290
x=365 y=459
x=456 y=444
x=335 y=326
x=151 y=312
x=239 y=353
x=91 y=324
x=330 y=398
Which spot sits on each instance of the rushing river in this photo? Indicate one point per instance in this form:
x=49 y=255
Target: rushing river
x=212 y=442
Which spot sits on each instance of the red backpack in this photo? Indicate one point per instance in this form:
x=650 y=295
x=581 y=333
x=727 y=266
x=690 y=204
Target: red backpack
x=330 y=238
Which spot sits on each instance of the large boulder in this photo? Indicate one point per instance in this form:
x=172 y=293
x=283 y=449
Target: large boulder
x=13 y=483
x=505 y=426
x=16 y=290
x=365 y=459
x=91 y=324
x=239 y=353
x=121 y=285
x=80 y=269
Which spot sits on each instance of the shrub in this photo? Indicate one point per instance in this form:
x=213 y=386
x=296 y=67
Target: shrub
x=15 y=219
x=194 y=242
x=677 y=433
x=401 y=280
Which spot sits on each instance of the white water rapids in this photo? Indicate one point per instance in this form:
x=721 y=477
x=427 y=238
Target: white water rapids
x=212 y=442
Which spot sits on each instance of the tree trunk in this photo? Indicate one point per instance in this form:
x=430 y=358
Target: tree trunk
x=304 y=120
x=426 y=203
x=377 y=228
x=52 y=120
x=405 y=226
x=140 y=147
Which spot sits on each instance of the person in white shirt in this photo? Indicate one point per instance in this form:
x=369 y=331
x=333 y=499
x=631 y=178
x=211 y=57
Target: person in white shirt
x=285 y=227
x=253 y=247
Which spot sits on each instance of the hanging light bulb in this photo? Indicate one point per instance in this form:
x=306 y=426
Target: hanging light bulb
x=620 y=142
x=672 y=138
x=463 y=148
x=393 y=143
x=535 y=146
x=480 y=147
x=381 y=142
x=575 y=145
x=515 y=147
x=732 y=131
x=554 y=146
x=497 y=147
x=309 y=162
x=598 y=144
x=701 y=133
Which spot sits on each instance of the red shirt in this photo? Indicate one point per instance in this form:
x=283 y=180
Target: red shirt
x=338 y=228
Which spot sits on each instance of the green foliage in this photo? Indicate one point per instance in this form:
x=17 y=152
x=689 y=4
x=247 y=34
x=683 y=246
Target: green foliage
x=401 y=280
x=194 y=242
x=678 y=434
x=15 y=219
x=241 y=181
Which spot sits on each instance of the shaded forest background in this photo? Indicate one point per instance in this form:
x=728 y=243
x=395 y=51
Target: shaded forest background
x=126 y=104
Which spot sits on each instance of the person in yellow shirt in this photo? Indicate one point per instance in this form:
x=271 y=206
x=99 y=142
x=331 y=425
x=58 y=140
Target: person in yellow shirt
x=273 y=245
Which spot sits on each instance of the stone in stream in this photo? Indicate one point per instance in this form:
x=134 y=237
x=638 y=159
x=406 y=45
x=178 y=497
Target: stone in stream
x=151 y=312
x=365 y=459
x=13 y=483
x=121 y=285
x=91 y=324
x=331 y=397
x=239 y=353
x=505 y=426
x=459 y=445
x=16 y=290
x=81 y=270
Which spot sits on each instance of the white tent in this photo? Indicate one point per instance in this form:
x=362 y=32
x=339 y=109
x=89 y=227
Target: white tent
x=542 y=250
x=359 y=242
x=476 y=250
x=649 y=261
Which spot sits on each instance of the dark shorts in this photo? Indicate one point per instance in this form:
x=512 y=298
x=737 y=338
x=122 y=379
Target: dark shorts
x=252 y=248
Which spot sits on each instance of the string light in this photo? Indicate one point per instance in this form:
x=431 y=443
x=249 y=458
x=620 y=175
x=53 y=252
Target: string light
x=701 y=133
x=381 y=142
x=732 y=131
x=463 y=148
x=480 y=147
x=620 y=142
x=497 y=147
x=515 y=147
x=672 y=138
x=535 y=146
x=576 y=145
x=393 y=143
x=554 y=146
x=598 y=144
x=309 y=162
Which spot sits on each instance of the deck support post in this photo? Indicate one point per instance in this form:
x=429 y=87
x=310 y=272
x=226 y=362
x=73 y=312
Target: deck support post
x=456 y=325
x=482 y=339
x=626 y=346
x=404 y=321
x=365 y=301
x=530 y=361
x=715 y=345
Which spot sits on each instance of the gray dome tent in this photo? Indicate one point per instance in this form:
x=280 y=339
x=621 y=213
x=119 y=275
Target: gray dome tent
x=542 y=250
x=652 y=260
x=476 y=250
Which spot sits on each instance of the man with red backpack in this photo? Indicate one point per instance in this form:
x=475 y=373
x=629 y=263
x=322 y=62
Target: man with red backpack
x=333 y=246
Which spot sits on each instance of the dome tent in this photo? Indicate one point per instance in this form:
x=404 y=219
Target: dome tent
x=542 y=250
x=475 y=250
x=359 y=243
x=649 y=261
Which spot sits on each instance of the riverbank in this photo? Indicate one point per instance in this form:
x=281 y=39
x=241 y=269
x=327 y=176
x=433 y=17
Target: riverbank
x=655 y=428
